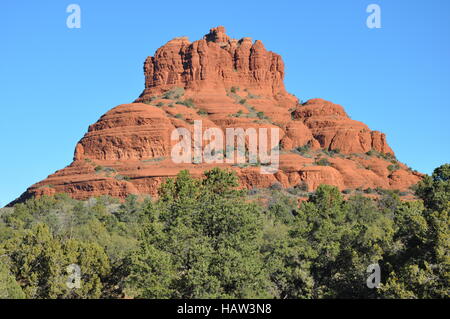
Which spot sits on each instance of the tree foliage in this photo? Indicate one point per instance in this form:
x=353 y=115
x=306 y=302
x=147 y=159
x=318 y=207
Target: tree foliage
x=203 y=238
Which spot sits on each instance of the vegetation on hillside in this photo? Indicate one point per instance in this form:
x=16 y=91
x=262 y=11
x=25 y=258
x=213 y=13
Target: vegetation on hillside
x=205 y=239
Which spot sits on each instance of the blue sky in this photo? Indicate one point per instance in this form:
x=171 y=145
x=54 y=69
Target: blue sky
x=55 y=81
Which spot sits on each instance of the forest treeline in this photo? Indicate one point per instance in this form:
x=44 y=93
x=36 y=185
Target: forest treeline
x=206 y=239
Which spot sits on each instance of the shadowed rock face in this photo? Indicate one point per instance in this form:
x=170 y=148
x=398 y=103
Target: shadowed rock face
x=225 y=83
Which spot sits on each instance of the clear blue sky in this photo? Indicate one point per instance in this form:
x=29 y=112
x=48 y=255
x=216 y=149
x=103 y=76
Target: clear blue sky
x=55 y=81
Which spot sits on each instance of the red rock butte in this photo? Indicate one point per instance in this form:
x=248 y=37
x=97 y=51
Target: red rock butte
x=225 y=83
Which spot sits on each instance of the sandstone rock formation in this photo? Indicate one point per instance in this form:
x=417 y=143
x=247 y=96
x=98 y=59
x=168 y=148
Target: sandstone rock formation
x=225 y=83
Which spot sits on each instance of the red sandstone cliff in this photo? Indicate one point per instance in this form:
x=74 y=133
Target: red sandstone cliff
x=225 y=83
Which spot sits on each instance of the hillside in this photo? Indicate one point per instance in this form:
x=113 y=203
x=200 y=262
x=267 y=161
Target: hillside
x=224 y=83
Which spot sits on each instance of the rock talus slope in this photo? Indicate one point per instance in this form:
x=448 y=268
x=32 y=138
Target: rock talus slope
x=225 y=83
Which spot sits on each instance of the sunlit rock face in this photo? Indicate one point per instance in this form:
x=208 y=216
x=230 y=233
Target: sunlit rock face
x=225 y=83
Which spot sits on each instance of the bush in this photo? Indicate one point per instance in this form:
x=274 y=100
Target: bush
x=100 y=168
x=322 y=162
x=276 y=186
x=385 y=156
x=388 y=156
x=122 y=178
x=188 y=103
x=202 y=112
x=174 y=94
x=237 y=114
x=393 y=167
x=154 y=159
x=243 y=101
x=252 y=96
x=299 y=190
x=302 y=186
x=261 y=115
x=333 y=152
x=371 y=153
x=303 y=149
x=179 y=116
x=253 y=191
x=9 y=287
